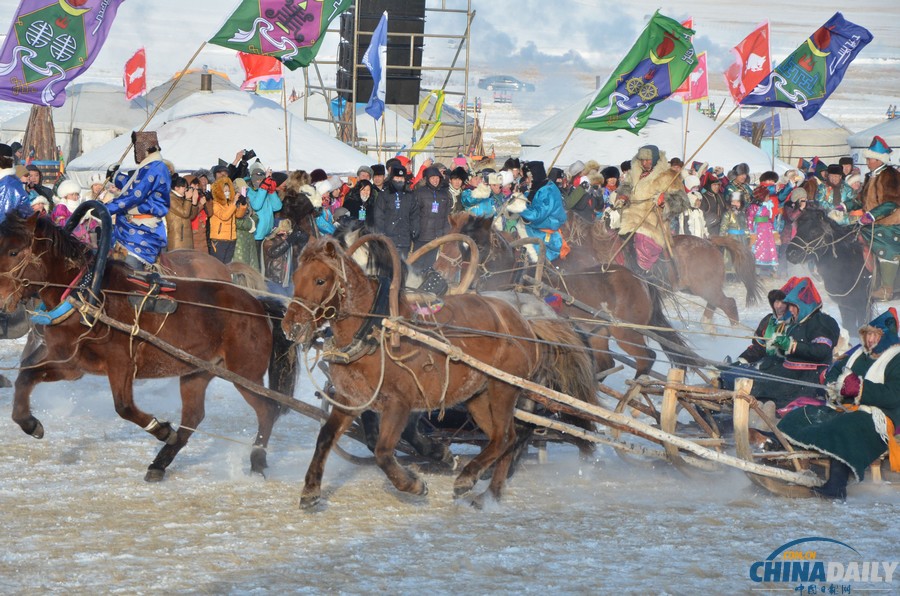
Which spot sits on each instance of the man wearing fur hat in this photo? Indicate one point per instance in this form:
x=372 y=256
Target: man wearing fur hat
x=737 y=183
x=880 y=199
x=139 y=232
x=479 y=200
x=834 y=193
x=13 y=196
x=648 y=188
x=578 y=197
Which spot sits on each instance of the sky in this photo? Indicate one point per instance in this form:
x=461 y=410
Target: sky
x=563 y=46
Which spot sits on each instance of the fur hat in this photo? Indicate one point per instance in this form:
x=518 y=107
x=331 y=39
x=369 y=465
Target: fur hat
x=398 y=170
x=494 y=178
x=240 y=183
x=835 y=169
x=595 y=178
x=202 y=173
x=41 y=200
x=365 y=169
x=854 y=179
x=650 y=152
x=336 y=182
x=68 y=187
x=879 y=149
x=610 y=172
x=284 y=225
x=459 y=173
x=506 y=177
x=223 y=190
x=378 y=170
x=145 y=142
x=845 y=161
x=512 y=163
x=318 y=175
x=741 y=168
x=575 y=169
x=591 y=166
x=555 y=174
x=95 y=179
x=676 y=161
x=5 y=150
x=323 y=187
x=799 y=194
x=691 y=181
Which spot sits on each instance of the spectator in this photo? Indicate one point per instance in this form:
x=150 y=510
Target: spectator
x=761 y=223
x=478 y=201
x=713 y=205
x=324 y=215
x=458 y=178
x=359 y=202
x=397 y=212
x=36 y=188
x=13 y=196
x=200 y=222
x=738 y=184
x=98 y=190
x=222 y=230
x=183 y=207
x=246 y=247
x=434 y=206
x=263 y=200
x=364 y=173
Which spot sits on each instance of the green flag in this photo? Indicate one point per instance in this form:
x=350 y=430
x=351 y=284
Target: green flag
x=660 y=61
x=289 y=31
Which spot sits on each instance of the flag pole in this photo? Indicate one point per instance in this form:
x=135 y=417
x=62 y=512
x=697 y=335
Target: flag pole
x=561 y=147
x=287 y=147
x=687 y=118
x=163 y=100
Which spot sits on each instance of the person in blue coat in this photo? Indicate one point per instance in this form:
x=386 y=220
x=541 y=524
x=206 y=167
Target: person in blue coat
x=13 y=196
x=141 y=208
x=264 y=201
x=545 y=213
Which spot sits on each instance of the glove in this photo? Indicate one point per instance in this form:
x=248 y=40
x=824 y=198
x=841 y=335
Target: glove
x=661 y=199
x=867 y=219
x=783 y=343
x=268 y=185
x=851 y=386
x=840 y=207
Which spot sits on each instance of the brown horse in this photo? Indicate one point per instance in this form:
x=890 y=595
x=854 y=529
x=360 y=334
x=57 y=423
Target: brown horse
x=329 y=287
x=615 y=290
x=216 y=322
x=696 y=266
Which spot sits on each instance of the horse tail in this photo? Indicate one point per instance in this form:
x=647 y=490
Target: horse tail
x=566 y=366
x=283 y=359
x=247 y=277
x=744 y=266
x=680 y=353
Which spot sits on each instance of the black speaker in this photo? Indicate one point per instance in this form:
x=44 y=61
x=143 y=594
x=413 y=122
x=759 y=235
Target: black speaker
x=404 y=17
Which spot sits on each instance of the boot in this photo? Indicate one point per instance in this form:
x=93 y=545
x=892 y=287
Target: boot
x=887 y=270
x=836 y=487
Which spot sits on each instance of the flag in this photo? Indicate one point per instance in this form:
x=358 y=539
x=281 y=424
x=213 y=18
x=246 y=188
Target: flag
x=50 y=43
x=684 y=88
x=659 y=62
x=752 y=63
x=136 y=75
x=260 y=70
x=375 y=60
x=808 y=76
x=696 y=86
x=289 y=31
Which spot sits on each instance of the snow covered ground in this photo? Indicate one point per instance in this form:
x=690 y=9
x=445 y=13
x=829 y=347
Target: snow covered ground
x=79 y=518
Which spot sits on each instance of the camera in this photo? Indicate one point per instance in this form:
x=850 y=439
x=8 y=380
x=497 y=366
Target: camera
x=248 y=154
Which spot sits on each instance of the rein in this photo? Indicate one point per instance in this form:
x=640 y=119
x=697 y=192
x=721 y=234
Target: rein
x=363 y=343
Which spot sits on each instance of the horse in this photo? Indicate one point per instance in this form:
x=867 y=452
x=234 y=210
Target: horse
x=696 y=266
x=329 y=287
x=214 y=321
x=841 y=261
x=614 y=289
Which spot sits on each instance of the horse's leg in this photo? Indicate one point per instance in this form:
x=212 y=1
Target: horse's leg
x=30 y=375
x=394 y=418
x=338 y=422
x=193 y=410
x=492 y=411
x=599 y=343
x=729 y=307
x=369 y=421
x=424 y=444
x=502 y=469
x=706 y=321
x=633 y=343
x=267 y=412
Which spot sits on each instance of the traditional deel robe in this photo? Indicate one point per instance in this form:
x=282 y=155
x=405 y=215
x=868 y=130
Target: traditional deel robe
x=880 y=196
x=543 y=218
x=141 y=207
x=813 y=335
x=761 y=223
x=642 y=215
x=858 y=437
x=478 y=201
x=13 y=196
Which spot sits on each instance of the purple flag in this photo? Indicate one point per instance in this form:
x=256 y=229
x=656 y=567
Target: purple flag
x=50 y=42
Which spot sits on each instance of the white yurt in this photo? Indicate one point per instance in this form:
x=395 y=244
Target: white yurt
x=889 y=130
x=794 y=137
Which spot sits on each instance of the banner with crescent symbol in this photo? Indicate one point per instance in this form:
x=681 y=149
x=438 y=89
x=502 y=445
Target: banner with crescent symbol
x=50 y=42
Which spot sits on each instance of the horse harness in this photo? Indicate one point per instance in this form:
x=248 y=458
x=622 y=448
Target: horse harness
x=364 y=341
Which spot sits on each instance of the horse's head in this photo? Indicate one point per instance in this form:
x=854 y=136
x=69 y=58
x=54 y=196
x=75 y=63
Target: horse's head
x=815 y=233
x=452 y=254
x=20 y=259
x=319 y=287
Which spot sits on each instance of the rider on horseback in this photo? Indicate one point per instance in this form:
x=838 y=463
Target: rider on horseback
x=139 y=232
x=647 y=188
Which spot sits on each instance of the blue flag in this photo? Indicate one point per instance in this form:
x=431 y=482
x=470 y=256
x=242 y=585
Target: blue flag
x=375 y=60
x=815 y=69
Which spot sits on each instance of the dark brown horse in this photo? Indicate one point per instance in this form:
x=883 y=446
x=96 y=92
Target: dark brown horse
x=216 y=322
x=329 y=287
x=696 y=266
x=615 y=290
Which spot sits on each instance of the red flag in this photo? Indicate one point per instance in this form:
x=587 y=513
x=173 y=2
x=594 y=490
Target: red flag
x=136 y=75
x=259 y=68
x=752 y=63
x=685 y=87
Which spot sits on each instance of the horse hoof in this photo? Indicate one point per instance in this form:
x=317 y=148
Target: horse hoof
x=38 y=432
x=421 y=490
x=154 y=475
x=309 y=501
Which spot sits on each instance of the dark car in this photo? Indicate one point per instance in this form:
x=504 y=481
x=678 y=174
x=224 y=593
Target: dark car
x=504 y=83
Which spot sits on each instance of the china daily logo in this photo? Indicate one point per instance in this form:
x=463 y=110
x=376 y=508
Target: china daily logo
x=818 y=561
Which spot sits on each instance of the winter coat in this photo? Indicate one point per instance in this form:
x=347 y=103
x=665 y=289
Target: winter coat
x=579 y=200
x=224 y=209
x=265 y=204
x=397 y=217
x=434 y=204
x=641 y=213
x=245 y=247
x=13 y=196
x=359 y=209
x=713 y=206
x=178 y=222
x=880 y=196
x=543 y=218
x=478 y=201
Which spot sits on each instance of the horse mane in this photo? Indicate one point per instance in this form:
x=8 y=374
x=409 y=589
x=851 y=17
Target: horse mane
x=63 y=245
x=296 y=206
